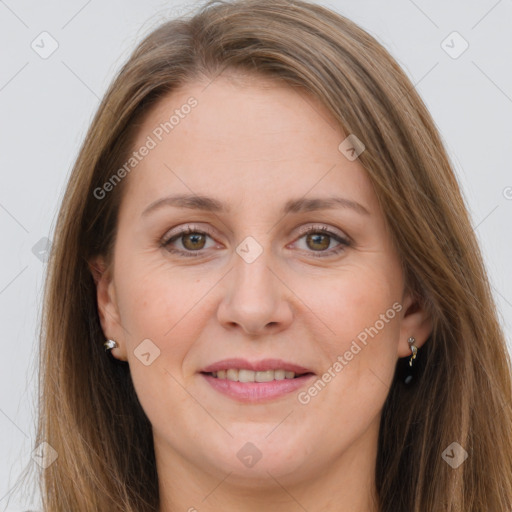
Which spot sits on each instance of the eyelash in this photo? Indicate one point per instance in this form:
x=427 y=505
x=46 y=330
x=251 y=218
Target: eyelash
x=344 y=242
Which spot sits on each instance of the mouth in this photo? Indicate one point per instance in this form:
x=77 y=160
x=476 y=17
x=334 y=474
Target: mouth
x=245 y=375
x=258 y=381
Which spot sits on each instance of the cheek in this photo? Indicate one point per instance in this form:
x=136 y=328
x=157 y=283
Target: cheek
x=154 y=298
x=167 y=305
x=156 y=303
x=356 y=301
x=361 y=310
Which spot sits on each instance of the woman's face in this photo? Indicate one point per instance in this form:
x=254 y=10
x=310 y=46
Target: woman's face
x=287 y=267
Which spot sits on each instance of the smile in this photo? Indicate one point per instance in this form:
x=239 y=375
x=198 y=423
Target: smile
x=255 y=382
x=243 y=375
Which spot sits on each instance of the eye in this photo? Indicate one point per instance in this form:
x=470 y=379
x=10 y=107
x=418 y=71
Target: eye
x=191 y=239
x=319 y=238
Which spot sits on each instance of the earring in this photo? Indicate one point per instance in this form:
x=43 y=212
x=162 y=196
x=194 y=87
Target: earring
x=109 y=345
x=410 y=371
x=414 y=349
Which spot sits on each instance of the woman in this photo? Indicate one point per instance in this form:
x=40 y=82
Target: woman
x=265 y=291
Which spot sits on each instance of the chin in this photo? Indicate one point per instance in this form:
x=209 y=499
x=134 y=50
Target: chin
x=253 y=464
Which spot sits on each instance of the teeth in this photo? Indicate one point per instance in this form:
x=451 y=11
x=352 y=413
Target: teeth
x=266 y=376
x=246 y=375
x=279 y=374
x=243 y=375
x=232 y=374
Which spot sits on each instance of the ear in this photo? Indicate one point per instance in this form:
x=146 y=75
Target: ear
x=415 y=322
x=107 y=306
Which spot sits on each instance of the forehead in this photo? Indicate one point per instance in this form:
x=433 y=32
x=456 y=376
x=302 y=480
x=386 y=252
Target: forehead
x=242 y=138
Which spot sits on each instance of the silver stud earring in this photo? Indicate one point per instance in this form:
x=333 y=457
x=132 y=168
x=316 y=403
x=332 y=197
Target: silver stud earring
x=414 y=349
x=109 y=345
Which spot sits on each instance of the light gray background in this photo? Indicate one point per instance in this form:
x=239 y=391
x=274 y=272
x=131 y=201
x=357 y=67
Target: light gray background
x=47 y=104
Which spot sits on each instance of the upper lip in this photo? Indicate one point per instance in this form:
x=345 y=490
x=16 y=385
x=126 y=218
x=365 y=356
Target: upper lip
x=257 y=366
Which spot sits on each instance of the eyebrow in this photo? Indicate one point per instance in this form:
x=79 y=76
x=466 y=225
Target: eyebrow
x=205 y=203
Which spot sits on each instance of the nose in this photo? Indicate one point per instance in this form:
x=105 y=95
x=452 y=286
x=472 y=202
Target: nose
x=256 y=299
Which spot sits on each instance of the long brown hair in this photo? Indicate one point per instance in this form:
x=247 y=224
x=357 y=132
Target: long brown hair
x=89 y=411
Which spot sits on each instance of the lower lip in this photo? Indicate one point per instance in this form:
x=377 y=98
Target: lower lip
x=256 y=391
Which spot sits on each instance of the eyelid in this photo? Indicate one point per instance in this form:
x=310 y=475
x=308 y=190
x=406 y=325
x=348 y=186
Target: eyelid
x=323 y=227
x=186 y=228
x=183 y=230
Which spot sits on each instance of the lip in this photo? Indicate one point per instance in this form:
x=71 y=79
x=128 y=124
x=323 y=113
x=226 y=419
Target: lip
x=257 y=366
x=255 y=392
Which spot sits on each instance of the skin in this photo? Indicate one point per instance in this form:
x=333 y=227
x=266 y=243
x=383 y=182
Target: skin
x=254 y=145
